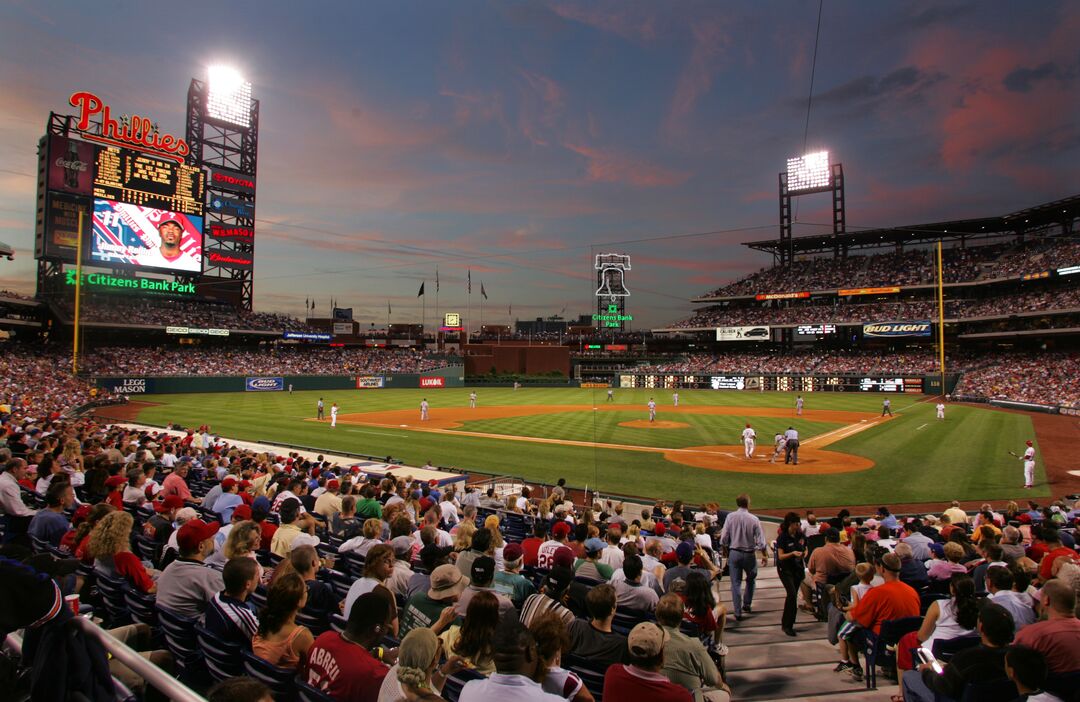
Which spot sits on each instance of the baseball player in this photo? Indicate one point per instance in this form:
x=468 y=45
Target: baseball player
x=941 y=410
x=779 y=442
x=423 y=410
x=319 y=414
x=610 y=395
x=333 y=415
x=798 y=405
x=652 y=410
x=472 y=399
x=675 y=398
x=748 y=440
x=886 y=407
x=1029 y=465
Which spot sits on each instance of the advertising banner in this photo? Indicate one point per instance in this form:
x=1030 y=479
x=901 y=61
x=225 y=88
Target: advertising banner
x=264 y=384
x=71 y=165
x=233 y=181
x=343 y=328
x=142 y=237
x=919 y=328
x=62 y=224
x=221 y=231
x=307 y=336
x=868 y=291
x=727 y=382
x=432 y=381
x=370 y=381
x=233 y=208
x=196 y=331
x=235 y=260
x=112 y=283
x=783 y=296
x=343 y=314
x=130 y=386
x=815 y=329
x=760 y=333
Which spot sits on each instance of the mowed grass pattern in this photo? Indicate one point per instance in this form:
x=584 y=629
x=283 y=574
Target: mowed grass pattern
x=918 y=459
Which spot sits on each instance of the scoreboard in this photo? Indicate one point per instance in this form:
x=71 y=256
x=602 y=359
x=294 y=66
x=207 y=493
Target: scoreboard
x=778 y=383
x=128 y=176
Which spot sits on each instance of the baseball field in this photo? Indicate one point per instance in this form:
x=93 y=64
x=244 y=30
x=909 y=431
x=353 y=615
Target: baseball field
x=849 y=453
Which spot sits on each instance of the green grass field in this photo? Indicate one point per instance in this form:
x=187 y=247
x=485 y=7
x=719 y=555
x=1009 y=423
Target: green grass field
x=917 y=458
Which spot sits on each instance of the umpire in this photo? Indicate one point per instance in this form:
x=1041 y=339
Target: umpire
x=791 y=448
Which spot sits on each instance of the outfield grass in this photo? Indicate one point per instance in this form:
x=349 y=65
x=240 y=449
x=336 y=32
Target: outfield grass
x=918 y=459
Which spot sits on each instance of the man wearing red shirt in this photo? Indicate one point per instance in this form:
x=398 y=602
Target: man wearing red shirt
x=892 y=600
x=176 y=484
x=1058 y=637
x=350 y=666
x=531 y=546
x=1054 y=550
x=642 y=679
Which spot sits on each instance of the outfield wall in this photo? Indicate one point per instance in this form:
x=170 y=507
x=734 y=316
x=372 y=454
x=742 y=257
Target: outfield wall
x=449 y=377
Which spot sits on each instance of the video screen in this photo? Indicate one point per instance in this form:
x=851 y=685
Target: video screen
x=144 y=237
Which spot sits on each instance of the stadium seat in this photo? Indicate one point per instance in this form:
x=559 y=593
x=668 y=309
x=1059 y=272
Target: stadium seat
x=183 y=643
x=891 y=631
x=281 y=681
x=945 y=649
x=113 y=599
x=309 y=693
x=316 y=623
x=338 y=622
x=625 y=620
x=1002 y=690
x=147 y=549
x=223 y=659
x=452 y=687
x=142 y=607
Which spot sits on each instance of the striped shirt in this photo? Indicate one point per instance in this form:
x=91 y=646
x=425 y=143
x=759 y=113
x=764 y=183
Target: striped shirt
x=231 y=620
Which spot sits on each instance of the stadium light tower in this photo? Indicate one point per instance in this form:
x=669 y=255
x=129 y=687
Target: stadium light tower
x=228 y=96
x=805 y=175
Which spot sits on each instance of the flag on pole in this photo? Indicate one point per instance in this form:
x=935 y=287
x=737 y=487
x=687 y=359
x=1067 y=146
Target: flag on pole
x=436 y=279
x=509 y=310
x=470 y=281
x=387 y=308
x=482 y=291
x=421 y=293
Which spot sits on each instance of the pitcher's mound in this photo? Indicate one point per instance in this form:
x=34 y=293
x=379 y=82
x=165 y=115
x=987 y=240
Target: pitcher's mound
x=646 y=424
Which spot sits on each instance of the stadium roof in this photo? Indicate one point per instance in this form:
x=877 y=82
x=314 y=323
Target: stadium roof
x=1022 y=220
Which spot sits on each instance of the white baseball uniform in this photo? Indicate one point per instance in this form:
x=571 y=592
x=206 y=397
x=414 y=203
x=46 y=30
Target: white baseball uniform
x=1029 y=466
x=333 y=415
x=748 y=437
x=779 y=441
x=472 y=399
x=940 y=410
x=798 y=405
x=675 y=399
x=423 y=410
x=652 y=410
x=610 y=395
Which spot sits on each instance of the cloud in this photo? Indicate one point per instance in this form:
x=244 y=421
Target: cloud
x=1023 y=79
x=904 y=82
x=709 y=40
x=608 y=165
x=634 y=22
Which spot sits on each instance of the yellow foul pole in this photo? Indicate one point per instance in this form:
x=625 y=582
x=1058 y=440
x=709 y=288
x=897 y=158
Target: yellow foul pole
x=78 y=296
x=941 y=315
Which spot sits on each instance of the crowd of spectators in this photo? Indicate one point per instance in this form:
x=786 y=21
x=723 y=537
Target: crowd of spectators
x=276 y=360
x=165 y=312
x=39 y=382
x=871 y=362
x=1035 y=257
x=1053 y=300
x=1047 y=378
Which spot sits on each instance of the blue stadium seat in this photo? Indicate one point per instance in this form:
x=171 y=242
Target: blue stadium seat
x=281 y=681
x=142 y=607
x=113 y=591
x=183 y=643
x=1002 y=690
x=891 y=631
x=223 y=659
x=452 y=687
x=309 y=693
x=944 y=649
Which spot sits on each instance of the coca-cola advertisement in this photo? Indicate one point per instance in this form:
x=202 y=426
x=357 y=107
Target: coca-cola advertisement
x=71 y=165
x=143 y=237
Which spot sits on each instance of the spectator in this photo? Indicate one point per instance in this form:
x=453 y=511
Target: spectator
x=705 y=612
x=630 y=592
x=480 y=546
x=363 y=543
x=229 y=615
x=482 y=579
x=919 y=542
x=159 y=527
x=1058 y=636
x=241 y=542
x=552 y=597
x=643 y=679
x=50 y=524
x=11 y=504
x=187 y=584
x=546 y=552
x=686 y=660
x=891 y=600
x=322 y=601
x=741 y=537
x=912 y=571
x=999 y=583
x=1026 y=667
x=378 y=567
x=417 y=674
x=552 y=641
x=345 y=524
x=351 y=666
x=943 y=569
x=977 y=664
x=228 y=501
x=239 y=689
x=591 y=566
x=944 y=620
x=176 y=482
x=329 y=503
x=509 y=581
x=472 y=639
x=110 y=547
x=831 y=562
x=594 y=639
x=280 y=640
x=434 y=608
x=518 y=667
x=293 y=523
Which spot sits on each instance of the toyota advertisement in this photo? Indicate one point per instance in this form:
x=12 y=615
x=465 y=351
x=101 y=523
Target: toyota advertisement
x=145 y=238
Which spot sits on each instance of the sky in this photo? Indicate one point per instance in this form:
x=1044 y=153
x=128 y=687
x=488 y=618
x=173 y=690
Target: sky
x=517 y=140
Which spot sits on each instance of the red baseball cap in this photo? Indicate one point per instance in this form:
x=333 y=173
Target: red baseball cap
x=228 y=483
x=242 y=511
x=115 y=481
x=563 y=556
x=660 y=529
x=194 y=533
x=560 y=529
x=170 y=502
x=332 y=484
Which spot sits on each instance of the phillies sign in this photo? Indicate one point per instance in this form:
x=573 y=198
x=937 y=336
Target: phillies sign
x=134 y=132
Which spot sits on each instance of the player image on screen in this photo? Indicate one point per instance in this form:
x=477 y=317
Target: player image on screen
x=143 y=237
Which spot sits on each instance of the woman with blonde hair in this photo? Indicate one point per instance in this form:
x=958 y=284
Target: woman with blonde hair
x=633 y=536
x=545 y=510
x=510 y=504
x=363 y=543
x=497 y=540
x=463 y=536
x=242 y=542
x=417 y=674
x=110 y=547
x=71 y=460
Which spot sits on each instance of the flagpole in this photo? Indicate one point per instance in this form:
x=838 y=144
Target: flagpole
x=438 y=317
x=481 y=308
x=423 y=319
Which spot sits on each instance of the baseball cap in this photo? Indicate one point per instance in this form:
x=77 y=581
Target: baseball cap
x=594 y=545
x=194 y=532
x=938 y=549
x=228 y=483
x=242 y=511
x=684 y=551
x=483 y=569
x=512 y=553
x=167 y=220
x=262 y=502
x=446 y=581
x=115 y=481
x=245 y=484
x=563 y=557
x=646 y=640
x=660 y=529
x=303 y=540
x=170 y=502
x=333 y=484
x=558 y=579
x=1028 y=442
x=560 y=529
x=401 y=545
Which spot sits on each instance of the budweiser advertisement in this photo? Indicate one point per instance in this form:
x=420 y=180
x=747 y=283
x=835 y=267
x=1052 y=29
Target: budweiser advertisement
x=233 y=181
x=235 y=260
x=71 y=165
x=143 y=237
x=432 y=381
x=134 y=132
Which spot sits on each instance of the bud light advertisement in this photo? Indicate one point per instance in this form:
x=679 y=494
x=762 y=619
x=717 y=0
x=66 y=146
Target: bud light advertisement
x=264 y=384
x=143 y=237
